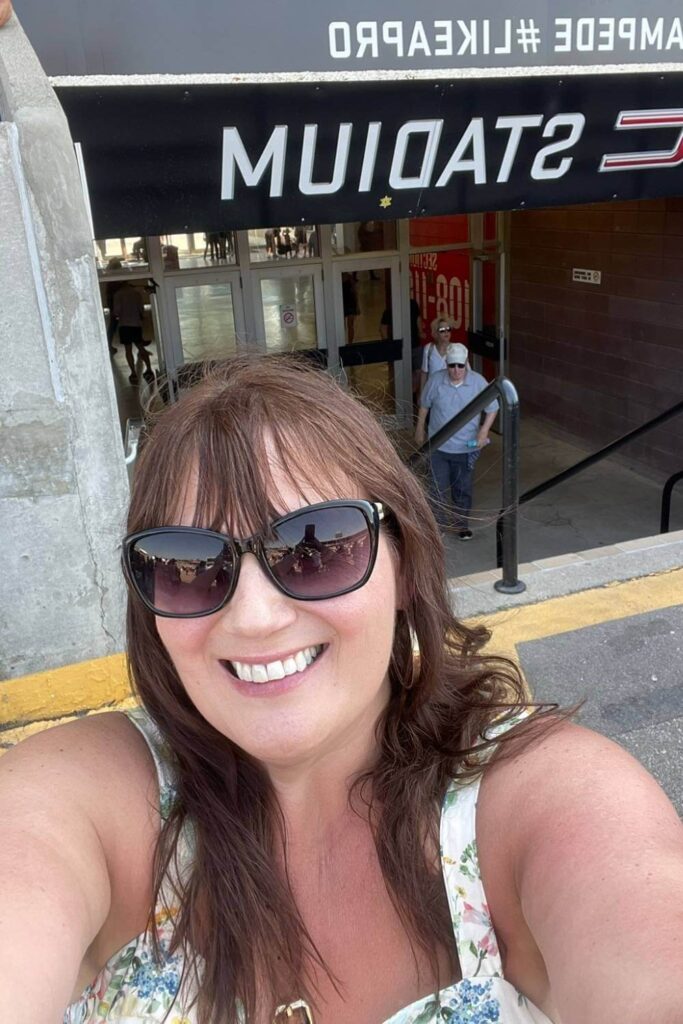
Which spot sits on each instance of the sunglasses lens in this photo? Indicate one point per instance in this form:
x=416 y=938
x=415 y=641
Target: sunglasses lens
x=321 y=553
x=182 y=573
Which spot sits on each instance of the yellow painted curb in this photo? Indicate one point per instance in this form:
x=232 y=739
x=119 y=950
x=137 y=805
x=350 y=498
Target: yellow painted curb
x=10 y=737
x=559 y=615
x=51 y=695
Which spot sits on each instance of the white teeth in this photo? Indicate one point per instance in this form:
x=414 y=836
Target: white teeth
x=243 y=671
x=276 y=669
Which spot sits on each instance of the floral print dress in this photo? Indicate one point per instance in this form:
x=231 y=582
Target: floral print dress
x=133 y=988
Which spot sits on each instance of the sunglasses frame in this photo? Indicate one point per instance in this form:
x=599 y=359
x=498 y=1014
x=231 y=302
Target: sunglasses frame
x=456 y=366
x=374 y=513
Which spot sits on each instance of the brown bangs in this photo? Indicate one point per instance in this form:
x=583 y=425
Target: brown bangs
x=248 y=417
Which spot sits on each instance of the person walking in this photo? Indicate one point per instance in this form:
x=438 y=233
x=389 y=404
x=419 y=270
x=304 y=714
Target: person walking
x=452 y=463
x=129 y=310
x=433 y=355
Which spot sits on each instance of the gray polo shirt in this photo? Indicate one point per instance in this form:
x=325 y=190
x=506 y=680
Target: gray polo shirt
x=444 y=400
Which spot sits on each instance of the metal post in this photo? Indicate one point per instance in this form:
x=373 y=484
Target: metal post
x=666 y=501
x=502 y=313
x=506 y=528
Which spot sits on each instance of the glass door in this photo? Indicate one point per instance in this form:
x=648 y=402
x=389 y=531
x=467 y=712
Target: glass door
x=372 y=341
x=289 y=307
x=209 y=318
x=486 y=337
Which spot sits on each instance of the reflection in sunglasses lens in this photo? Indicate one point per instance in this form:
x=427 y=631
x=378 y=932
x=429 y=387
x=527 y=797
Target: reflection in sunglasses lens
x=320 y=552
x=182 y=573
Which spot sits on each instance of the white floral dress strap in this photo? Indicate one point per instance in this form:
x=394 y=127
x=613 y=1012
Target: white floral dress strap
x=474 y=935
x=159 y=751
x=472 y=926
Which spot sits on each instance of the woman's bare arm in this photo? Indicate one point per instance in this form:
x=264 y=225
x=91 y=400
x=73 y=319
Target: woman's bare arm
x=597 y=855
x=76 y=823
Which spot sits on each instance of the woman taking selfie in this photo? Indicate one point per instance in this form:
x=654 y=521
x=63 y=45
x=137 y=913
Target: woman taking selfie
x=305 y=822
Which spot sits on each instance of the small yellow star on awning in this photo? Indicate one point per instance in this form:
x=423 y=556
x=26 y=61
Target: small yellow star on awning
x=385 y=201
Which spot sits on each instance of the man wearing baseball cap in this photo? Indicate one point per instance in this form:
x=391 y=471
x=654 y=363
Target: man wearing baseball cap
x=445 y=394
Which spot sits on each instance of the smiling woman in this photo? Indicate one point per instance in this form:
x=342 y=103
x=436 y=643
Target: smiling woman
x=359 y=817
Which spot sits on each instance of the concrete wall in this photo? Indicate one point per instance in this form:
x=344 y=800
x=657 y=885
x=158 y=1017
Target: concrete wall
x=63 y=486
x=599 y=360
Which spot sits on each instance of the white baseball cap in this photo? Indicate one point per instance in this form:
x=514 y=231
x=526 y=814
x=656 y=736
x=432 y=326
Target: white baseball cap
x=456 y=353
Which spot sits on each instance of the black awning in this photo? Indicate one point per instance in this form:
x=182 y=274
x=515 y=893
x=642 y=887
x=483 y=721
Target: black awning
x=173 y=158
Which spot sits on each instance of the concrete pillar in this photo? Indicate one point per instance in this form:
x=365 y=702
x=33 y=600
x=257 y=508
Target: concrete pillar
x=63 y=485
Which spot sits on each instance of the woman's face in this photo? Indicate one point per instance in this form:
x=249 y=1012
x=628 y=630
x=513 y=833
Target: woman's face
x=442 y=333
x=330 y=707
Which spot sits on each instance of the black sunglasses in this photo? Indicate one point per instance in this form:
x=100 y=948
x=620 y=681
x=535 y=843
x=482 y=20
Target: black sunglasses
x=317 y=552
x=457 y=366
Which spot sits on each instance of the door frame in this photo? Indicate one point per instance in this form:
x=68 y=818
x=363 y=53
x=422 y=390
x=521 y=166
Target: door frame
x=191 y=279
x=400 y=322
x=293 y=268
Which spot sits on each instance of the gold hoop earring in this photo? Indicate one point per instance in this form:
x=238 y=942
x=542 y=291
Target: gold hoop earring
x=288 y=1010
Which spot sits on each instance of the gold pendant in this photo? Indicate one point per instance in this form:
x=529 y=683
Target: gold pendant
x=289 y=1010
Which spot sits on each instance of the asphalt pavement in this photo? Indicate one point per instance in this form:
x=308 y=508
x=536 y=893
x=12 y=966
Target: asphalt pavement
x=629 y=673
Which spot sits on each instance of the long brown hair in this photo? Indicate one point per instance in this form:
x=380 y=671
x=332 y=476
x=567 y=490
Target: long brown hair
x=238 y=924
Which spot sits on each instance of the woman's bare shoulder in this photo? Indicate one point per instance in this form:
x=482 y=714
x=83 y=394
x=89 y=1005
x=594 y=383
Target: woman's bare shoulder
x=91 y=735
x=558 y=761
x=562 y=769
x=578 y=840
x=100 y=761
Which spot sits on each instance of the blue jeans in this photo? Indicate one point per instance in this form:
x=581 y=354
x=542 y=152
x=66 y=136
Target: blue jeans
x=452 y=473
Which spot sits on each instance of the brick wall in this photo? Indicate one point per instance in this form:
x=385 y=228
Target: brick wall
x=597 y=360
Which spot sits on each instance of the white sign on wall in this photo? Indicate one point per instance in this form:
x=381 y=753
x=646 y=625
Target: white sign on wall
x=586 y=276
x=288 y=317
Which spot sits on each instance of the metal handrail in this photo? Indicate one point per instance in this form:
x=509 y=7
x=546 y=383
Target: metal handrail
x=666 y=501
x=131 y=440
x=582 y=464
x=505 y=390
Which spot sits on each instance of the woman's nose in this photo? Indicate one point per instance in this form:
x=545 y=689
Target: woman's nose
x=257 y=607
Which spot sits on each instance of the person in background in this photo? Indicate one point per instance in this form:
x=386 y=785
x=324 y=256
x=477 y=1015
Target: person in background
x=452 y=463
x=140 y=250
x=350 y=304
x=434 y=353
x=300 y=240
x=129 y=310
x=111 y=288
